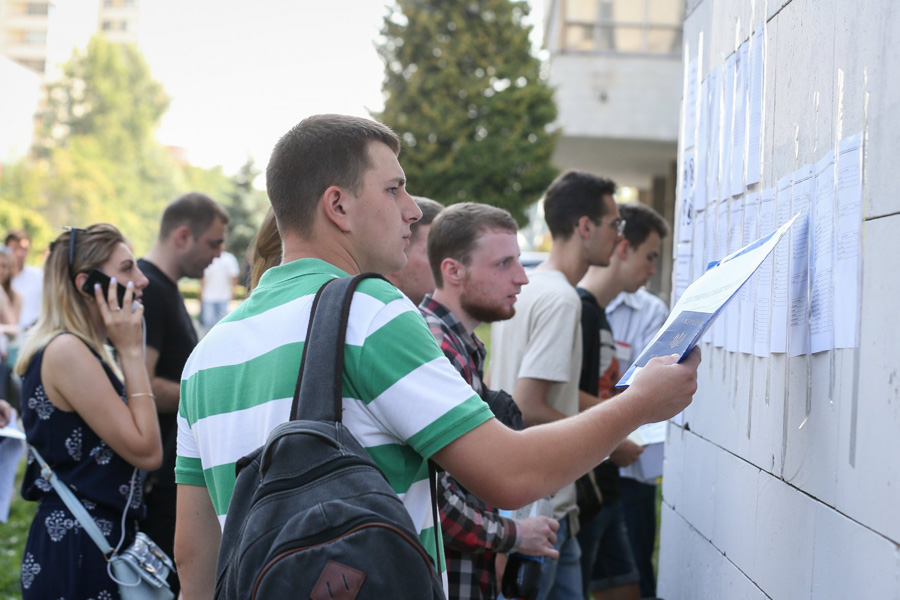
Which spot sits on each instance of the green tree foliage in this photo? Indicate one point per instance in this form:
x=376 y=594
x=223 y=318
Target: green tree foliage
x=466 y=96
x=106 y=92
x=246 y=206
x=95 y=156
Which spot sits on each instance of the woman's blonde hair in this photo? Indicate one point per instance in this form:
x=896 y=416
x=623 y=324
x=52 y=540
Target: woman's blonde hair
x=63 y=308
x=265 y=250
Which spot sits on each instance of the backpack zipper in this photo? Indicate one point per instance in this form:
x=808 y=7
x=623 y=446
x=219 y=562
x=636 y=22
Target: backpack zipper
x=416 y=545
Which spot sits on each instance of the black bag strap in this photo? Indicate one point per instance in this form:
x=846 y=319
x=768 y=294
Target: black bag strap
x=432 y=480
x=323 y=361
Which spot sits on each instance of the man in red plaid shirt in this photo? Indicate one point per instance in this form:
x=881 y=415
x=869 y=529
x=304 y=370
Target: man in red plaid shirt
x=473 y=253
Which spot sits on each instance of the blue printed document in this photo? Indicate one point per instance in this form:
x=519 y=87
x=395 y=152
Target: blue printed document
x=703 y=300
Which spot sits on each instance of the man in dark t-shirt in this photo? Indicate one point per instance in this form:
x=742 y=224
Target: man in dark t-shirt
x=608 y=564
x=191 y=235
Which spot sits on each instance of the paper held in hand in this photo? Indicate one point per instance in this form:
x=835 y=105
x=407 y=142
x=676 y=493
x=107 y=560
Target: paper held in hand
x=703 y=300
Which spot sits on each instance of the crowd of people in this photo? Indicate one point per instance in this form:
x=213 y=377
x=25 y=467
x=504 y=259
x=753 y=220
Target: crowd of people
x=141 y=418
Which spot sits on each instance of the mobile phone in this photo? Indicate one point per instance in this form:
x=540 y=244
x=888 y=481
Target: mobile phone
x=97 y=276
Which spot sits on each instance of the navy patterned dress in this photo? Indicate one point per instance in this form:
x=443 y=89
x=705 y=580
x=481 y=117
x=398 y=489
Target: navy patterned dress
x=61 y=561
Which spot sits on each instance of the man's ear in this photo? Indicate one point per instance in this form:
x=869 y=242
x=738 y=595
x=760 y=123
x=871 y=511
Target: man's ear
x=452 y=271
x=583 y=227
x=623 y=249
x=335 y=203
x=182 y=237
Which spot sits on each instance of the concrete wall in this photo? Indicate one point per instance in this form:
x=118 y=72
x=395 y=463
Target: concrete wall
x=613 y=96
x=17 y=109
x=785 y=480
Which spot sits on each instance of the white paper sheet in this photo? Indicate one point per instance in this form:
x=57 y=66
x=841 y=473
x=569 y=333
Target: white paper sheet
x=781 y=270
x=703 y=301
x=721 y=251
x=698 y=251
x=690 y=104
x=12 y=431
x=727 y=124
x=821 y=272
x=747 y=295
x=687 y=197
x=715 y=133
x=709 y=252
x=682 y=269
x=11 y=449
x=754 y=133
x=739 y=129
x=763 y=276
x=649 y=464
x=735 y=242
x=847 y=250
x=702 y=143
x=801 y=198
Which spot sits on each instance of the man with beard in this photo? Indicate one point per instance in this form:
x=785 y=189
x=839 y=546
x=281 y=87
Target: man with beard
x=191 y=235
x=473 y=253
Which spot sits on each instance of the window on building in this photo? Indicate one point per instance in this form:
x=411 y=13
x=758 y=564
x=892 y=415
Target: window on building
x=622 y=26
x=37 y=8
x=35 y=37
x=106 y=25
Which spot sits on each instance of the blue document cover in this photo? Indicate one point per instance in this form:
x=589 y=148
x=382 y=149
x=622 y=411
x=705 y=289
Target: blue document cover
x=679 y=338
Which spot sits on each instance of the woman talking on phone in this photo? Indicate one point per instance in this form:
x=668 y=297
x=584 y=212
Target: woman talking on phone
x=91 y=416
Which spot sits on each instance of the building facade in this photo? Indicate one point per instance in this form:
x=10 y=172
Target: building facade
x=616 y=68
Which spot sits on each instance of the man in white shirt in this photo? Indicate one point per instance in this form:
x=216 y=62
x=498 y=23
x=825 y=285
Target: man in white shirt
x=27 y=281
x=217 y=288
x=538 y=352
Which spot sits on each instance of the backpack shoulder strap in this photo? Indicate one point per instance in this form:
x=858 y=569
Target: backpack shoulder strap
x=323 y=352
x=323 y=362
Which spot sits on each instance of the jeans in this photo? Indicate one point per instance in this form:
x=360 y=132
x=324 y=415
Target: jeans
x=606 y=559
x=212 y=312
x=561 y=579
x=639 y=502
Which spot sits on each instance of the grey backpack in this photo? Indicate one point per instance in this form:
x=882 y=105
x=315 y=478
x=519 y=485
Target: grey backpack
x=311 y=515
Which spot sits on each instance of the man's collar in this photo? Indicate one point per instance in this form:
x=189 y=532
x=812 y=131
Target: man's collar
x=446 y=315
x=631 y=300
x=296 y=268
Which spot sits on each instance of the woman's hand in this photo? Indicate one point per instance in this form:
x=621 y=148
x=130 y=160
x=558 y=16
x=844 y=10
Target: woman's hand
x=123 y=327
x=6 y=413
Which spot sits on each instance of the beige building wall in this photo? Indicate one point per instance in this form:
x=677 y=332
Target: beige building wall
x=23 y=32
x=617 y=73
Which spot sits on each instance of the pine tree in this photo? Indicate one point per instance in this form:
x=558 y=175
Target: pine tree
x=465 y=94
x=246 y=206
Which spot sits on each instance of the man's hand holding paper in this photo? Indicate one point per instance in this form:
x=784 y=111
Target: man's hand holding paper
x=703 y=300
x=666 y=386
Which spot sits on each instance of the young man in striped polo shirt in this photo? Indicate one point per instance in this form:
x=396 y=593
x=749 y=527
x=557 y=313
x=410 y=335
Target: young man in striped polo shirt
x=340 y=200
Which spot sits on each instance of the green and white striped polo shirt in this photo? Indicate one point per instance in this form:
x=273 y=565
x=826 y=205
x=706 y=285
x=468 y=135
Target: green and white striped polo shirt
x=403 y=400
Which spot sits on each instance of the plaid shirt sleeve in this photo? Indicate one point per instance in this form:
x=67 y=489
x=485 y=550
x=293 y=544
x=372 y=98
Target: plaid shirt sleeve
x=471 y=526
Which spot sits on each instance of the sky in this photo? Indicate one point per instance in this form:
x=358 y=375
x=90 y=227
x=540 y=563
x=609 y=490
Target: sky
x=241 y=73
